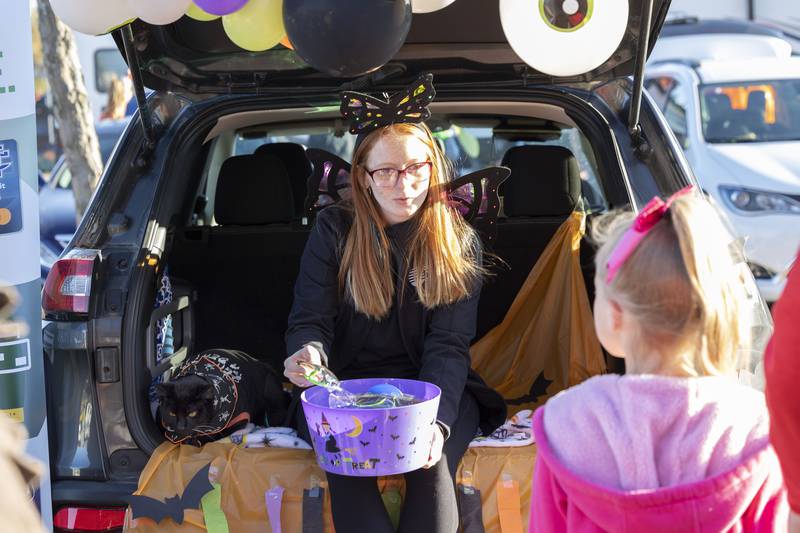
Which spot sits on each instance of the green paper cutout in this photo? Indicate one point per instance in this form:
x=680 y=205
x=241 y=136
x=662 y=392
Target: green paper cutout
x=394 y=504
x=213 y=514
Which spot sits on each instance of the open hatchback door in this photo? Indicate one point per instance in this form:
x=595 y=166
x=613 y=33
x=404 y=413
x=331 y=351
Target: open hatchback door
x=466 y=37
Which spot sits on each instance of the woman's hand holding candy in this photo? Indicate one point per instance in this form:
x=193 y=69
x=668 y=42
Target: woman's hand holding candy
x=294 y=372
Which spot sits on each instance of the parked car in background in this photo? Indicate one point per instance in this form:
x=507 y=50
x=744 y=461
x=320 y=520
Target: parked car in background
x=57 y=217
x=101 y=62
x=683 y=26
x=733 y=102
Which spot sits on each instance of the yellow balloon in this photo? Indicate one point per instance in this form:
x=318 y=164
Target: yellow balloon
x=257 y=26
x=198 y=14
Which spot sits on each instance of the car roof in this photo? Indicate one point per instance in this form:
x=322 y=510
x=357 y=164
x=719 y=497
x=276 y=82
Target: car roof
x=693 y=26
x=727 y=46
x=755 y=69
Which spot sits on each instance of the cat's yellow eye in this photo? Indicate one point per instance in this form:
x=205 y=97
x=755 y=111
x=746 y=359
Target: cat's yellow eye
x=172 y=413
x=193 y=414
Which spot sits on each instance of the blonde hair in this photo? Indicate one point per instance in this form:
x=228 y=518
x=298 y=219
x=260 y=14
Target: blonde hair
x=117 y=100
x=683 y=284
x=443 y=251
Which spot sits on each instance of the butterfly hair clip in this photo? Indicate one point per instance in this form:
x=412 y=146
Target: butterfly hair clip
x=367 y=113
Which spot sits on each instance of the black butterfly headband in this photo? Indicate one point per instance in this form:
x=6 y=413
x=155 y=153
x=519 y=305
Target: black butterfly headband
x=367 y=113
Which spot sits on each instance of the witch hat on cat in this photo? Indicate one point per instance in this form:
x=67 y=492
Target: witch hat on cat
x=223 y=373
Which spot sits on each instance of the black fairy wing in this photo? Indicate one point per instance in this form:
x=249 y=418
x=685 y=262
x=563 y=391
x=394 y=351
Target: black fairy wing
x=364 y=112
x=329 y=183
x=475 y=197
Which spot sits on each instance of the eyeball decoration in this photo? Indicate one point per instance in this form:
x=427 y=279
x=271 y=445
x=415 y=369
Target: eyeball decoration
x=564 y=37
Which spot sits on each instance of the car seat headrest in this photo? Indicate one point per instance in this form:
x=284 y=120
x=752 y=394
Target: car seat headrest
x=253 y=190
x=544 y=181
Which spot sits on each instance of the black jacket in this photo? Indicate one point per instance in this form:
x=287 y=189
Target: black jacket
x=437 y=341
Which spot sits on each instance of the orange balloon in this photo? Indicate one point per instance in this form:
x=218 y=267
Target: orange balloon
x=285 y=42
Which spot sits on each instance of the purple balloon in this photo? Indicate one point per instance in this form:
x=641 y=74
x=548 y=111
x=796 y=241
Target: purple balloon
x=372 y=442
x=220 y=7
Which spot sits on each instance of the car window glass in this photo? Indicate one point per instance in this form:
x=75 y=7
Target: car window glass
x=674 y=109
x=469 y=147
x=659 y=89
x=761 y=111
x=108 y=64
x=64 y=179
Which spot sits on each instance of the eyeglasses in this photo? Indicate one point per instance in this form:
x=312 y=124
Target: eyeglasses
x=388 y=177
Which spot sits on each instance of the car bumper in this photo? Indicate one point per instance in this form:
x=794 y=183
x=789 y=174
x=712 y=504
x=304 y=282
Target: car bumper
x=771 y=242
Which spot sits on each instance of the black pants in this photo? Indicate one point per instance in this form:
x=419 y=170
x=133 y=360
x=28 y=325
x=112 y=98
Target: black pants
x=430 y=505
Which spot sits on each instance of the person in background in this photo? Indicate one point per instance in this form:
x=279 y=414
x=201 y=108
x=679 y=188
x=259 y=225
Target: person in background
x=117 y=101
x=675 y=444
x=782 y=368
x=18 y=473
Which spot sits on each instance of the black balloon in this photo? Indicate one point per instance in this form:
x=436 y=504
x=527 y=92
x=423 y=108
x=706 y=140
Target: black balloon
x=347 y=37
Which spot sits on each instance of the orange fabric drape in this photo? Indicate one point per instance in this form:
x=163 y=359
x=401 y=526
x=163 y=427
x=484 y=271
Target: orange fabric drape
x=548 y=328
x=245 y=474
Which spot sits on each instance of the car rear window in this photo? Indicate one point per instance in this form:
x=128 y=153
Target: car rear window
x=471 y=144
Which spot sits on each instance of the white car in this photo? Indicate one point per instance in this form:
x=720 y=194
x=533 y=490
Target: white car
x=736 y=111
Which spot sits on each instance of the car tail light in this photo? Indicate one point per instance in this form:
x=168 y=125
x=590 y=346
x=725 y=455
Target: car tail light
x=69 y=283
x=89 y=519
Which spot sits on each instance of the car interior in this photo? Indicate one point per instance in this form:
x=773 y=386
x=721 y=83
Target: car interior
x=233 y=253
x=240 y=247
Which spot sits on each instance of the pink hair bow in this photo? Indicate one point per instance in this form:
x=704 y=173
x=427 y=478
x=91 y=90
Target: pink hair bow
x=645 y=221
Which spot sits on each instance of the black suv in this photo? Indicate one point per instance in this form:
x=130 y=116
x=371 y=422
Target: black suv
x=160 y=207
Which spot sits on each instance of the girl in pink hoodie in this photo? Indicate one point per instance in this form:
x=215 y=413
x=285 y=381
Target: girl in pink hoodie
x=676 y=444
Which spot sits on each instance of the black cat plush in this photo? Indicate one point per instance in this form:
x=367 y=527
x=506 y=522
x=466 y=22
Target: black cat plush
x=217 y=392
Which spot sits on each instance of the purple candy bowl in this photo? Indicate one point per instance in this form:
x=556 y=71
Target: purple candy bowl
x=364 y=442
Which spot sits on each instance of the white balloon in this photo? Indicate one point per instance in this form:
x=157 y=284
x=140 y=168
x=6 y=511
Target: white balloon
x=93 y=17
x=564 y=50
x=159 y=12
x=426 y=6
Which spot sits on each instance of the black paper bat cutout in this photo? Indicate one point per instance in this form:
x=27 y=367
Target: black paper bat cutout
x=395 y=437
x=413 y=441
x=156 y=510
x=364 y=442
x=393 y=417
x=367 y=113
x=372 y=429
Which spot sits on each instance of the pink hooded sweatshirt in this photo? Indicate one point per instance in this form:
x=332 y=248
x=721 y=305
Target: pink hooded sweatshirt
x=652 y=453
